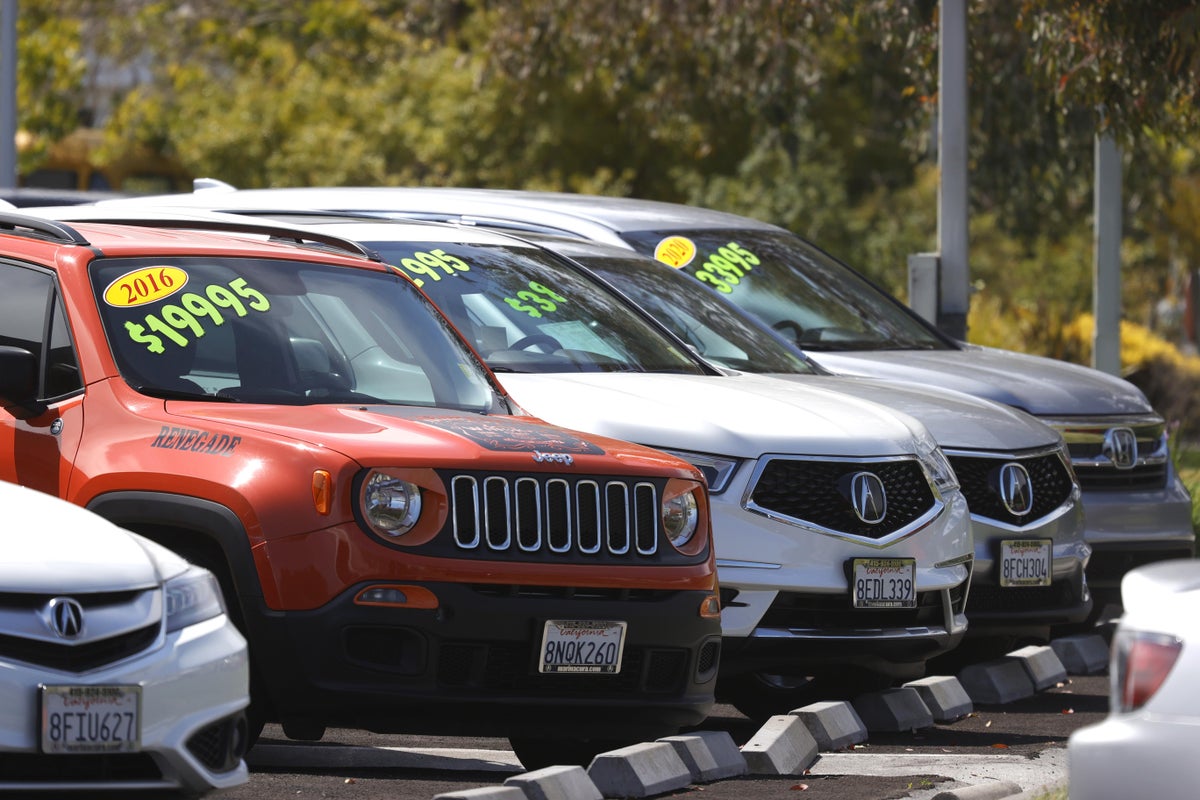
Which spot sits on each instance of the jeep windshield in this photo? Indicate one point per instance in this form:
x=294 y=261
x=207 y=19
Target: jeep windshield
x=282 y=332
x=796 y=288
x=527 y=310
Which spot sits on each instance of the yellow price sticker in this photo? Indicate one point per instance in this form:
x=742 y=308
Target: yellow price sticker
x=675 y=251
x=145 y=285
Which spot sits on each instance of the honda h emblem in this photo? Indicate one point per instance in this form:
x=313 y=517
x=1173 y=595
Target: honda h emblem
x=1120 y=445
x=1016 y=490
x=65 y=617
x=868 y=497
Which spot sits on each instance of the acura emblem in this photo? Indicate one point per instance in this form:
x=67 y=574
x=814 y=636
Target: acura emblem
x=1016 y=490
x=1120 y=445
x=868 y=497
x=65 y=617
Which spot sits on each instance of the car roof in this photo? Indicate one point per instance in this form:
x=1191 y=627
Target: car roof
x=594 y=216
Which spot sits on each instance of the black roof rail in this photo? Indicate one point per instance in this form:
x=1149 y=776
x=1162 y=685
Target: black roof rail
x=278 y=232
x=40 y=228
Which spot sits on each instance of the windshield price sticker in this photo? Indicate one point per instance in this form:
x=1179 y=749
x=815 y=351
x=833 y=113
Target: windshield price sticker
x=1025 y=562
x=433 y=264
x=145 y=285
x=536 y=300
x=725 y=268
x=91 y=719
x=585 y=646
x=195 y=313
x=884 y=582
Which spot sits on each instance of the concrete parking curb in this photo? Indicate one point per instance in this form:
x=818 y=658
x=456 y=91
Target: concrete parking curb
x=980 y=791
x=639 y=770
x=782 y=746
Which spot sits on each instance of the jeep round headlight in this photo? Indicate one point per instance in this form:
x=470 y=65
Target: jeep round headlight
x=680 y=517
x=391 y=505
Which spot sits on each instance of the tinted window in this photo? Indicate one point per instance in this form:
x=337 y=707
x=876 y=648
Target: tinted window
x=282 y=332
x=792 y=286
x=29 y=311
x=528 y=311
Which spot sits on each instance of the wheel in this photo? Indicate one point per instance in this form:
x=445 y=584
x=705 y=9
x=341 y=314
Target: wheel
x=760 y=695
x=536 y=752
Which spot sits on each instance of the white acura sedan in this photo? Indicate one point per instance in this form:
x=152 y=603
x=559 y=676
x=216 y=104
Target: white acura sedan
x=1147 y=745
x=119 y=668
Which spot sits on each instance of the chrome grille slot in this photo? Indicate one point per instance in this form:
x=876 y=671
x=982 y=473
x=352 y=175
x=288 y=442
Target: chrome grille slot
x=465 y=492
x=529 y=515
x=616 y=496
x=645 y=518
x=587 y=515
x=497 y=511
x=558 y=506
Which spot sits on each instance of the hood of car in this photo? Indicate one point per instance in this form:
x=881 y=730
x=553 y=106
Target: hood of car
x=53 y=547
x=956 y=420
x=1042 y=386
x=738 y=415
x=390 y=435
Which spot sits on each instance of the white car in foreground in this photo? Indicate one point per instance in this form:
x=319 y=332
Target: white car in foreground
x=1147 y=745
x=119 y=668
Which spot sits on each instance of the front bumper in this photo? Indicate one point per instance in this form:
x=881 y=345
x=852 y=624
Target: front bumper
x=470 y=664
x=195 y=687
x=786 y=604
x=992 y=608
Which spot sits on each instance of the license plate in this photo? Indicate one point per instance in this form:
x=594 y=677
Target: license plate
x=589 y=646
x=1025 y=562
x=91 y=719
x=885 y=582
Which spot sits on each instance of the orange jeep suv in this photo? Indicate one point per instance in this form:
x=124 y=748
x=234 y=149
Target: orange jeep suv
x=404 y=547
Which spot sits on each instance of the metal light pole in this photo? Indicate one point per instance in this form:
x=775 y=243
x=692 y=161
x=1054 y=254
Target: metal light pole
x=953 y=275
x=8 y=93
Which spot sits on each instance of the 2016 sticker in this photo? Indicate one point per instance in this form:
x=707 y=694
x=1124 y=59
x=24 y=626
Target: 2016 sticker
x=145 y=285
x=194 y=313
x=675 y=251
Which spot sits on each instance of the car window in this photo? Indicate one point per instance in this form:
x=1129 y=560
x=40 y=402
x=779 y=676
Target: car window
x=528 y=311
x=31 y=318
x=715 y=328
x=268 y=331
x=794 y=287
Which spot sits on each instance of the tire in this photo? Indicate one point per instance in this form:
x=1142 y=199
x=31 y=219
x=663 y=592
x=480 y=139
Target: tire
x=536 y=752
x=761 y=695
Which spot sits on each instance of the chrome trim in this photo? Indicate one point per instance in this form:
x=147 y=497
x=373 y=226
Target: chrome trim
x=537 y=514
x=553 y=486
x=595 y=503
x=506 y=499
x=656 y=504
x=472 y=543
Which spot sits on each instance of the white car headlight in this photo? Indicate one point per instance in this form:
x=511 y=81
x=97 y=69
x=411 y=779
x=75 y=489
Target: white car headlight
x=936 y=465
x=680 y=517
x=391 y=505
x=192 y=597
x=717 y=469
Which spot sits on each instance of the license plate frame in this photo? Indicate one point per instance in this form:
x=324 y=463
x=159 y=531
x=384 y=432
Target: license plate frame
x=78 y=718
x=582 y=646
x=897 y=575
x=1037 y=551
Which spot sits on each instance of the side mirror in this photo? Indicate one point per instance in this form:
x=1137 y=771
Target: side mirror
x=18 y=378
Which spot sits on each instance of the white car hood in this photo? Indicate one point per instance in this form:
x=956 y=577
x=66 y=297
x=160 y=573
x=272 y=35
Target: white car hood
x=51 y=546
x=956 y=420
x=1042 y=386
x=740 y=415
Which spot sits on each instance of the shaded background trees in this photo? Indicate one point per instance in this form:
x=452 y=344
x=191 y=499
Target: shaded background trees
x=818 y=115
